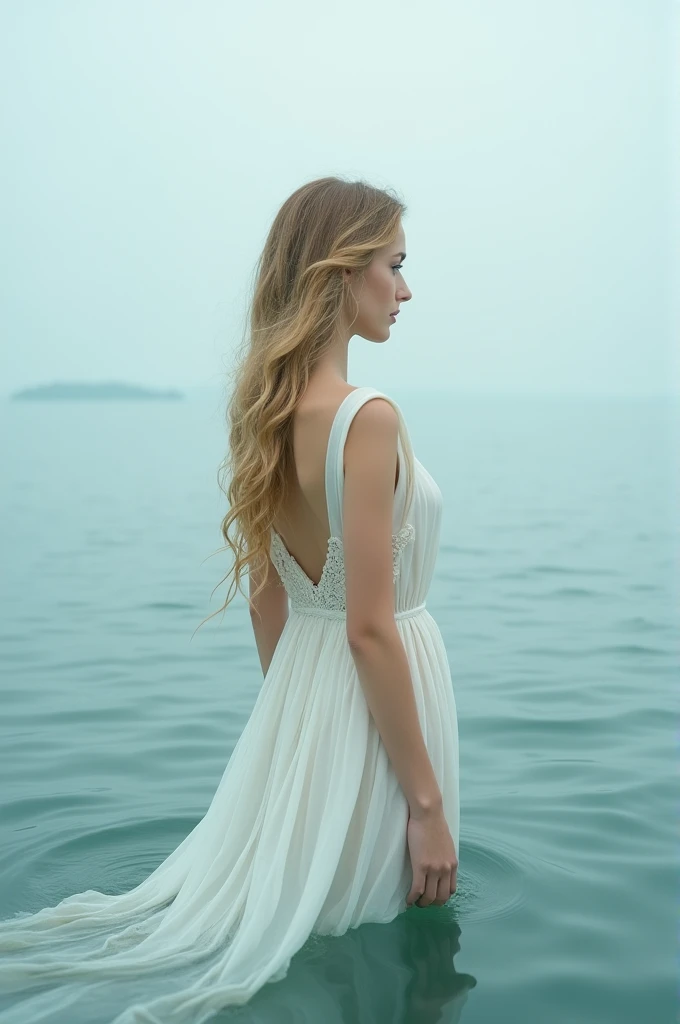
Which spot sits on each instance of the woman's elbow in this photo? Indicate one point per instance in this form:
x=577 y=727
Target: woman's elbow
x=365 y=631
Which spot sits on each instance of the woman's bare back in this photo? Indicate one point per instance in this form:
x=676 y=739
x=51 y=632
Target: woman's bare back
x=303 y=523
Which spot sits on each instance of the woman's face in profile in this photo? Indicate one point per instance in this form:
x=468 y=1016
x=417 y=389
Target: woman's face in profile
x=380 y=292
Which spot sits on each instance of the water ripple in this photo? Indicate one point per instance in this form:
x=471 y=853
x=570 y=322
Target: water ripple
x=492 y=880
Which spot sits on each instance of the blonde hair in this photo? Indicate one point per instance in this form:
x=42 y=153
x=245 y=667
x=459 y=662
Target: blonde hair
x=300 y=290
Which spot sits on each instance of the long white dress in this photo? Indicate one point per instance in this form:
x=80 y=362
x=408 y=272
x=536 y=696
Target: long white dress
x=306 y=832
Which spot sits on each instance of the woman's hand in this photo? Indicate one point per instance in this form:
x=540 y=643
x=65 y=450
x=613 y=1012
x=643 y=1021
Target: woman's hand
x=433 y=859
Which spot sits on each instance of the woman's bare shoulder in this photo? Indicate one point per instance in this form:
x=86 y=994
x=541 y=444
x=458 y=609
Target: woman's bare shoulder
x=321 y=402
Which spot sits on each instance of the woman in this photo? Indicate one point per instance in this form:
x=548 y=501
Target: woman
x=339 y=804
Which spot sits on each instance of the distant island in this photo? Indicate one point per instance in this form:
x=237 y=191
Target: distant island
x=105 y=391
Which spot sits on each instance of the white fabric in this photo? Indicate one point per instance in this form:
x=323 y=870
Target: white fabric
x=306 y=832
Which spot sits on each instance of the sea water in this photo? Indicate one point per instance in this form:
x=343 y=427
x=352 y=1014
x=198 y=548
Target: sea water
x=556 y=591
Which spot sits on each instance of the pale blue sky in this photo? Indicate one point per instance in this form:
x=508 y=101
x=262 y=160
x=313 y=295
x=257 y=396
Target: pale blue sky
x=147 y=147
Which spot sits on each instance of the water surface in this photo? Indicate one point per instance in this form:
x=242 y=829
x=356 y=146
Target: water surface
x=556 y=598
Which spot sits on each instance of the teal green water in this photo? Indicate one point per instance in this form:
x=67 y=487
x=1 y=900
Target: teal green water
x=557 y=596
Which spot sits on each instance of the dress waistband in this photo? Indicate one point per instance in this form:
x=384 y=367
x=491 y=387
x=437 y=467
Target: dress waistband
x=332 y=613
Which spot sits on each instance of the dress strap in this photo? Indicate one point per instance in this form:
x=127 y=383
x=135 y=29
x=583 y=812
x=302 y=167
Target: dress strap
x=335 y=472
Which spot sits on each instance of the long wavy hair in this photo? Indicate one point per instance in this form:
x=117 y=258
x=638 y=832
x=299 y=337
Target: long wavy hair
x=300 y=291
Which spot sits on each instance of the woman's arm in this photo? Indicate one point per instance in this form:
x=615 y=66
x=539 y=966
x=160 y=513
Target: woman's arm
x=272 y=605
x=378 y=651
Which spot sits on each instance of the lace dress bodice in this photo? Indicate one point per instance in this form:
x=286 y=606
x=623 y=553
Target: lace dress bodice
x=330 y=592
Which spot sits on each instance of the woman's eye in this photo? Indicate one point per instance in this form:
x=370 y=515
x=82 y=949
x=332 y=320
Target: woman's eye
x=398 y=266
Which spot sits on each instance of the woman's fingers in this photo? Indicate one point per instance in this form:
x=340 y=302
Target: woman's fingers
x=417 y=889
x=430 y=893
x=443 y=889
x=433 y=888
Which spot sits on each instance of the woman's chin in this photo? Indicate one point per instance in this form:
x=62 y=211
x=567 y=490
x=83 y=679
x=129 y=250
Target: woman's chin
x=376 y=337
